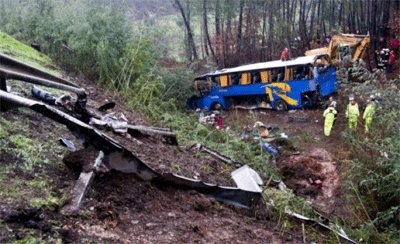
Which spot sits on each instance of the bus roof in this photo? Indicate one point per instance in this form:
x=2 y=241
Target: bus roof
x=304 y=60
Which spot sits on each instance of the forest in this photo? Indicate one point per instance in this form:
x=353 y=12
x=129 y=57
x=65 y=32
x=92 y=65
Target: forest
x=146 y=54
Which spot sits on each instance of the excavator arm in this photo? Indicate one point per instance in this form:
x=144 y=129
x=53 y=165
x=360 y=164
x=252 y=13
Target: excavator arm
x=360 y=42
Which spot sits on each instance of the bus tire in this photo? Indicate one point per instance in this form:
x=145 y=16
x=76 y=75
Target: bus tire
x=280 y=105
x=216 y=106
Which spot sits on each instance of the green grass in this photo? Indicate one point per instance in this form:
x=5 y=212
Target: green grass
x=26 y=54
x=31 y=185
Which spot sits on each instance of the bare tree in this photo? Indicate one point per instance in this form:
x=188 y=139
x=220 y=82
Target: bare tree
x=186 y=19
x=239 y=31
x=206 y=31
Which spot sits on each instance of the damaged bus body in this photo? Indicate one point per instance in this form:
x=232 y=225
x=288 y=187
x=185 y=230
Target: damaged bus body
x=280 y=85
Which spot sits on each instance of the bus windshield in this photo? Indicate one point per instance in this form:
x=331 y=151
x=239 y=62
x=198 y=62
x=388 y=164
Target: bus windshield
x=281 y=85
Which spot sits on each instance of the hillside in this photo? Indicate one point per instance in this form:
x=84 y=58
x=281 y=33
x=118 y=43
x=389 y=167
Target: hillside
x=120 y=208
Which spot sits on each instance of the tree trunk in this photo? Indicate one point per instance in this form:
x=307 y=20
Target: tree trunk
x=217 y=18
x=186 y=20
x=263 y=33
x=239 y=33
x=271 y=33
x=206 y=31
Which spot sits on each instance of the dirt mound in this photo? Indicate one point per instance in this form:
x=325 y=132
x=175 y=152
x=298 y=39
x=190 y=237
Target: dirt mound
x=315 y=176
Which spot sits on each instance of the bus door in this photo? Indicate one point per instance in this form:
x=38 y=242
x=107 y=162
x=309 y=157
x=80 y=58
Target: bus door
x=326 y=76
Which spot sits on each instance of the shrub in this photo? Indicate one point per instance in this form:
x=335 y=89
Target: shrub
x=375 y=174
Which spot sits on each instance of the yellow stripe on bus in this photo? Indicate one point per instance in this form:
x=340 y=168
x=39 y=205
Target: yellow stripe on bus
x=283 y=86
x=288 y=100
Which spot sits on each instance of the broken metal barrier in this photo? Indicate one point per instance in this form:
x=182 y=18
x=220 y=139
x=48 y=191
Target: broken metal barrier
x=218 y=155
x=164 y=132
x=121 y=126
x=118 y=158
x=81 y=186
x=323 y=227
x=11 y=68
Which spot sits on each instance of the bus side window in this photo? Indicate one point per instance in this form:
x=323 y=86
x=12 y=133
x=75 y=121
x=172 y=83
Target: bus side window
x=235 y=79
x=246 y=78
x=224 y=80
x=298 y=74
x=209 y=81
x=216 y=81
x=301 y=72
x=256 y=78
x=288 y=74
x=266 y=76
x=323 y=64
x=278 y=75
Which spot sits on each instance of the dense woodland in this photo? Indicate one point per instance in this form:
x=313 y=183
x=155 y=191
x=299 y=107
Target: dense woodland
x=250 y=31
x=124 y=48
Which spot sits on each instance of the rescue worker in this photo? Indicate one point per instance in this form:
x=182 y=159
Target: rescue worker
x=285 y=54
x=329 y=102
x=352 y=113
x=330 y=115
x=368 y=114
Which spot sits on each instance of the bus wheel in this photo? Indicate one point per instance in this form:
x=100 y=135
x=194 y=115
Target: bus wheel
x=216 y=106
x=280 y=105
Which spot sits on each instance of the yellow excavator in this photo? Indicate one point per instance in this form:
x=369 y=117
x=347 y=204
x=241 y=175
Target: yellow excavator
x=341 y=44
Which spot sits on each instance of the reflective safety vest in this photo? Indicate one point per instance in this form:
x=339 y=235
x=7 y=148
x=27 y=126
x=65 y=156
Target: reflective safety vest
x=369 y=111
x=352 y=111
x=329 y=114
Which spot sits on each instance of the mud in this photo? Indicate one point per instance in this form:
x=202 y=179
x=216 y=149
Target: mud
x=302 y=173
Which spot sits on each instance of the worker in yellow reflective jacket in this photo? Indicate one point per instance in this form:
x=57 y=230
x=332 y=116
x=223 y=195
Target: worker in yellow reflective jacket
x=330 y=115
x=352 y=113
x=368 y=114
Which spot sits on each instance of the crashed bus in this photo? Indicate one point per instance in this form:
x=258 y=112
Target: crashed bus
x=281 y=85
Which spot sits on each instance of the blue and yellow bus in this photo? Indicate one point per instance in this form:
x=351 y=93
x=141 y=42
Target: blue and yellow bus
x=280 y=85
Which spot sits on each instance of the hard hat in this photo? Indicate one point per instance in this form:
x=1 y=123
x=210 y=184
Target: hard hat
x=351 y=98
x=333 y=103
x=197 y=109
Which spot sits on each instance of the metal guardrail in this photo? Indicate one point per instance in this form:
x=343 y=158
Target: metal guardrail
x=11 y=68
